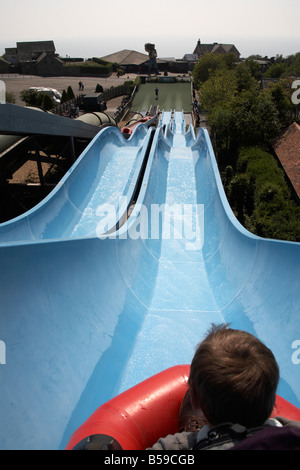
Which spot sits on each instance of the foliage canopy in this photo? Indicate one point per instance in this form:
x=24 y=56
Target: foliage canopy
x=244 y=118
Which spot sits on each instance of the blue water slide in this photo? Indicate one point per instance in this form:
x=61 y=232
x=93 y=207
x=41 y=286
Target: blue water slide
x=84 y=318
x=105 y=175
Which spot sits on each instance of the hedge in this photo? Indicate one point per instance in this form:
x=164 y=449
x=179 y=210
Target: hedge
x=261 y=197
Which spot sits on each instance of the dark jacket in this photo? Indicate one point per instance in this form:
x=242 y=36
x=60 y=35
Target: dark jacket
x=277 y=434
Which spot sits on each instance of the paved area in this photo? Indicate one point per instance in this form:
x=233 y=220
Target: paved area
x=171 y=96
x=16 y=83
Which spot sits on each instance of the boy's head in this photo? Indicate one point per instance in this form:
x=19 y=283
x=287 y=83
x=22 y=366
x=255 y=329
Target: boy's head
x=234 y=378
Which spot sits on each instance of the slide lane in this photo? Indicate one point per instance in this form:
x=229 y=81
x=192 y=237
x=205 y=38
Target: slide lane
x=83 y=319
x=234 y=276
x=107 y=172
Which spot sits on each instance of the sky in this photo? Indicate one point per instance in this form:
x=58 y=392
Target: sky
x=87 y=28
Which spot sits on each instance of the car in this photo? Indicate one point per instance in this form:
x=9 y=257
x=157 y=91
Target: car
x=54 y=94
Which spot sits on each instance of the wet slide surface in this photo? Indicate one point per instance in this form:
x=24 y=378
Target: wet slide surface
x=84 y=317
x=106 y=172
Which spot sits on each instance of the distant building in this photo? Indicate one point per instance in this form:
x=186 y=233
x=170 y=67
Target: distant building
x=29 y=51
x=4 y=66
x=37 y=58
x=11 y=54
x=216 y=48
x=190 y=57
x=131 y=61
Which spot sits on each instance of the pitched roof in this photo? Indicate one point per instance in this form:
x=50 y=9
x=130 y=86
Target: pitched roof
x=190 y=57
x=202 y=49
x=28 y=51
x=127 y=57
x=226 y=48
x=287 y=148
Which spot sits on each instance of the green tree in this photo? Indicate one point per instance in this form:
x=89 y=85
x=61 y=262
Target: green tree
x=293 y=64
x=254 y=67
x=46 y=102
x=70 y=93
x=10 y=98
x=218 y=90
x=262 y=198
x=223 y=124
x=284 y=66
x=242 y=116
x=206 y=66
x=277 y=70
x=281 y=96
x=240 y=195
x=277 y=218
x=99 y=88
x=30 y=97
x=33 y=98
x=64 y=97
x=256 y=118
x=243 y=119
x=245 y=78
x=229 y=60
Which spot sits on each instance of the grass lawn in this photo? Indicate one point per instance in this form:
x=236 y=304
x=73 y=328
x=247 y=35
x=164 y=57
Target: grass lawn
x=171 y=96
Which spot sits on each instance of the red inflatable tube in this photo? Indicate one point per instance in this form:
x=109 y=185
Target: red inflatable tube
x=130 y=127
x=138 y=417
x=285 y=409
x=127 y=130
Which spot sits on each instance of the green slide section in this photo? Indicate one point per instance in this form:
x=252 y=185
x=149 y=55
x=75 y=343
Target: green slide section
x=176 y=96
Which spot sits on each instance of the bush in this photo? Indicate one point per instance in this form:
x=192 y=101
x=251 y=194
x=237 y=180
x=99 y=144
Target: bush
x=64 y=97
x=10 y=98
x=280 y=221
x=129 y=84
x=113 y=66
x=206 y=66
x=261 y=197
x=95 y=68
x=240 y=195
x=243 y=121
x=276 y=71
x=262 y=168
x=41 y=100
x=70 y=93
x=99 y=88
x=30 y=97
x=47 y=102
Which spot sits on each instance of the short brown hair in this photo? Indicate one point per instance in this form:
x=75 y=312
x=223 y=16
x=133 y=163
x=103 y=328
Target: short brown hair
x=235 y=377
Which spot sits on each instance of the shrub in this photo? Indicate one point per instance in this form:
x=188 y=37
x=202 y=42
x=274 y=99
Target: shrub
x=206 y=66
x=70 y=93
x=47 y=102
x=10 y=98
x=99 y=88
x=32 y=98
x=261 y=197
x=95 y=68
x=64 y=97
x=240 y=195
